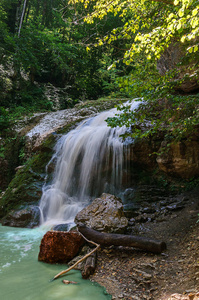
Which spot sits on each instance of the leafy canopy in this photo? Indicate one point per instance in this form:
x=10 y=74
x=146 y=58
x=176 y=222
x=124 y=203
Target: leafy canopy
x=152 y=24
x=149 y=27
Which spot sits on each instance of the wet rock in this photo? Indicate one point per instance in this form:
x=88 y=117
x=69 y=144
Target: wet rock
x=62 y=227
x=139 y=154
x=59 y=247
x=141 y=218
x=3 y=173
x=175 y=207
x=26 y=217
x=128 y=194
x=26 y=187
x=182 y=159
x=131 y=210
x=148 y=210
x=132 y=222
x=58 y=120
x=104 y=214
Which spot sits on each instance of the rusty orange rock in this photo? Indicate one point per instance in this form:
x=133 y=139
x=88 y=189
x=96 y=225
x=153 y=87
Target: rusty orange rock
x=59 y=247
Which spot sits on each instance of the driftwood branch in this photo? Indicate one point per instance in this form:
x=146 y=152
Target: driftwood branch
x=109 y=239
x=80 y=260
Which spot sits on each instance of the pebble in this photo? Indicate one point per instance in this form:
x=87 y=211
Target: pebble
x=190 y=291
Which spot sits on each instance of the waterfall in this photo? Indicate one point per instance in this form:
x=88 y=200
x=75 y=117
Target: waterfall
x=89 y=160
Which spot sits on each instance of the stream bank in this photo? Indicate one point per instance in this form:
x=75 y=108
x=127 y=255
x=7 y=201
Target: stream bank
x=130 y=274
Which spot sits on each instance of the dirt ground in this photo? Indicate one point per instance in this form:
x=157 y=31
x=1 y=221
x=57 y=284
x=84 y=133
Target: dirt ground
x=129 y=273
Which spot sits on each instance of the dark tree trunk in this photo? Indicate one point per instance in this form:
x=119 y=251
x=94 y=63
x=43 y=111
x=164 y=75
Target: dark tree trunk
x=108 y=239
x=13 y=15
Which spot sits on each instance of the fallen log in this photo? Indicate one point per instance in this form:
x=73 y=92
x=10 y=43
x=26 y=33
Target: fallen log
x=109 y=239
x=89 y=267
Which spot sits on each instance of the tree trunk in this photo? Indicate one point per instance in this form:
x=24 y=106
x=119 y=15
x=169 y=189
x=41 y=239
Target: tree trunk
x=22 y=17
x=89 y=267
x=108 y=239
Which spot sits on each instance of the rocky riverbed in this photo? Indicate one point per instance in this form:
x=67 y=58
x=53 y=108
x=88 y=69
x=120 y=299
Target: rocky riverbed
x=129 y=273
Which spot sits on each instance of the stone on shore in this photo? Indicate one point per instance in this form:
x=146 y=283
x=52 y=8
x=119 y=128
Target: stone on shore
x=59 y=247
x=104 y=214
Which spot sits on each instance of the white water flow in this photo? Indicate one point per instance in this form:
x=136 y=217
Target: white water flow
x=89 y=161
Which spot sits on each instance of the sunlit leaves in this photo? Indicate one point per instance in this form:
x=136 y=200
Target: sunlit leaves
x=181 y=12
x=192 y=49
x=195 y=12
x=150 y=32
x=149 y=27
x=194 y=22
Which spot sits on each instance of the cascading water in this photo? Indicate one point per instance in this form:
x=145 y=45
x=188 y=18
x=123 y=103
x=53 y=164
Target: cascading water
x=89 y=161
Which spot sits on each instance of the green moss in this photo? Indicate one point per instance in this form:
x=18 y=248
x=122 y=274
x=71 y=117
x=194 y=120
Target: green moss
x=26 y=186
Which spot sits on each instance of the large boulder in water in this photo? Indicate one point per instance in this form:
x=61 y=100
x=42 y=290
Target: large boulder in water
x=25 y=217
x=104 y=214
x=60 y=247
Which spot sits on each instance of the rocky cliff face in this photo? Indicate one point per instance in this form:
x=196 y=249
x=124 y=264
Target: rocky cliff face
x=180 y=161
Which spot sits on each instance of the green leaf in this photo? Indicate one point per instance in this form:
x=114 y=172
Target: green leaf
x=194 y=22
x=194 y=12
x=190 y=49
x=179 y=25
x=183 y=38
x=181 y=12
x=171 y=16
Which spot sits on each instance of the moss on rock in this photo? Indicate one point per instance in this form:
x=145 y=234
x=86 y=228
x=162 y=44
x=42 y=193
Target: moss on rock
x=26 y=186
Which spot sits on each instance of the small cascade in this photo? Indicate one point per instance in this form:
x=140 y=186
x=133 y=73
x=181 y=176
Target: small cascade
x=89 y=161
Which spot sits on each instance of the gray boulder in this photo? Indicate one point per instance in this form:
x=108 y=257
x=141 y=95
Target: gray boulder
x=24 y=217
x=104 y=214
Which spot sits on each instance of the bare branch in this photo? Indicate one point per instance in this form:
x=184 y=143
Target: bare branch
x=80 y=260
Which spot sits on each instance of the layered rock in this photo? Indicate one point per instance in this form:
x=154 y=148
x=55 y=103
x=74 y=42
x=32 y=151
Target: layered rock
x=26 y=217
x=59 y=247
x=182 y=159
x=104 y=214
